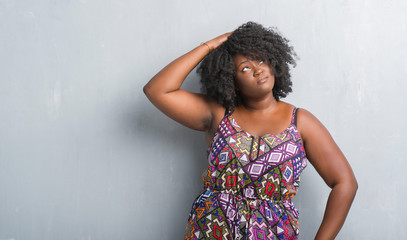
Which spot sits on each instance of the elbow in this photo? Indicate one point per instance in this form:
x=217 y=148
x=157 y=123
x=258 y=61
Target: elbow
x=349 y=186
x=352 y=187
x=147 y=90
x=151 y=90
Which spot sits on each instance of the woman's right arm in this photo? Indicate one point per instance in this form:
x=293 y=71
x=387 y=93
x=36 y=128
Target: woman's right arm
x=163 y=90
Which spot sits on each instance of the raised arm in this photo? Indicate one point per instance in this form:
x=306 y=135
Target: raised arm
x=331 y=164
x=163 y=90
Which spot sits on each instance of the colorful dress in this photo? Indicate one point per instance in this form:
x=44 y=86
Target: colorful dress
x=248 y=185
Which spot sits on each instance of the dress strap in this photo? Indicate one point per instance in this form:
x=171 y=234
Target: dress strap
x=294 y=116
x=228 y=112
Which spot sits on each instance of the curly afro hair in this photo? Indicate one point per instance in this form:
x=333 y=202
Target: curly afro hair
x=255 y=42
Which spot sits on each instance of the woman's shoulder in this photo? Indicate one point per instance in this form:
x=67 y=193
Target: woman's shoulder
x=302 y=115
x=308 y=124
x=286 y=107
x=305 y=115
x=300 y=111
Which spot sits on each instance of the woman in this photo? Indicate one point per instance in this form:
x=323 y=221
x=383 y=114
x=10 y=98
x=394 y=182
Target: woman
x=255 y=160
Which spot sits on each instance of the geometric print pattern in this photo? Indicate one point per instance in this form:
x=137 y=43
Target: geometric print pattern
x=248 y=185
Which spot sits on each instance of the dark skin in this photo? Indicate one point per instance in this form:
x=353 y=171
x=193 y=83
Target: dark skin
x=260 y=114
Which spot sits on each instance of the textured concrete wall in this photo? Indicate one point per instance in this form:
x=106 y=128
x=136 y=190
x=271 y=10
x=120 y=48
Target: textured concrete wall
x=84 y=155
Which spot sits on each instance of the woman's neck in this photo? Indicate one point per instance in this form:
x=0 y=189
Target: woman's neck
x=259 y=105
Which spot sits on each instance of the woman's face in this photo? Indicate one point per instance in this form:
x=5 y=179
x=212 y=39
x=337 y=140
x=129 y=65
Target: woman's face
x=253 y=78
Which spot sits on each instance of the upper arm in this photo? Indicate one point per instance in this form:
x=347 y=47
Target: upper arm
x=322 y=151
x=190 y=109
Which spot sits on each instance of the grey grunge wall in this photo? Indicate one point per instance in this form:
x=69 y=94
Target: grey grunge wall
x=85 y=156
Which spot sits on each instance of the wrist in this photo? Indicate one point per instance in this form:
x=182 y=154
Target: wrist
x=205 y=44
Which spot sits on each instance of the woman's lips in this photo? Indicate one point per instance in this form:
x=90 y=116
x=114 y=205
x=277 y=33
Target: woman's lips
x=262 y=80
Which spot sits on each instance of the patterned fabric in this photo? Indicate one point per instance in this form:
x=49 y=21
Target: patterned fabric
x=248 y=185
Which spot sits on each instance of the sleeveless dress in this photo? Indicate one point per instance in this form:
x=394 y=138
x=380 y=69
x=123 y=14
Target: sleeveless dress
x=248 y=185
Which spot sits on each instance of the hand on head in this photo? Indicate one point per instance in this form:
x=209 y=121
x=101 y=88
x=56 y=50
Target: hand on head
x=216 y=42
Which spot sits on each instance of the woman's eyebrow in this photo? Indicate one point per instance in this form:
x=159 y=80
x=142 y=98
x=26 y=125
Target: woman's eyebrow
x=245 y=61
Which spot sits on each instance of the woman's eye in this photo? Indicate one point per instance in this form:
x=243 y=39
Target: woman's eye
x=245 y=69
x=261 y=62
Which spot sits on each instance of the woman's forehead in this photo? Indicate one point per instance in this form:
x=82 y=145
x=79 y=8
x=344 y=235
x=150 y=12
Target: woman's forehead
x=249 y=55
x=239 y=57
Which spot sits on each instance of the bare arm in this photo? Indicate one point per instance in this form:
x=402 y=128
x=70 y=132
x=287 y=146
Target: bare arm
x=332 y=166
x=163 y=90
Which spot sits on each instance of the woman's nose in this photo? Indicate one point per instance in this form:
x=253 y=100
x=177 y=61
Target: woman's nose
x=257 y=70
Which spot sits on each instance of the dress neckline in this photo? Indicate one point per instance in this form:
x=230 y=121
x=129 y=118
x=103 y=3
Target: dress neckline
x=232 y=119
x=228 y=116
